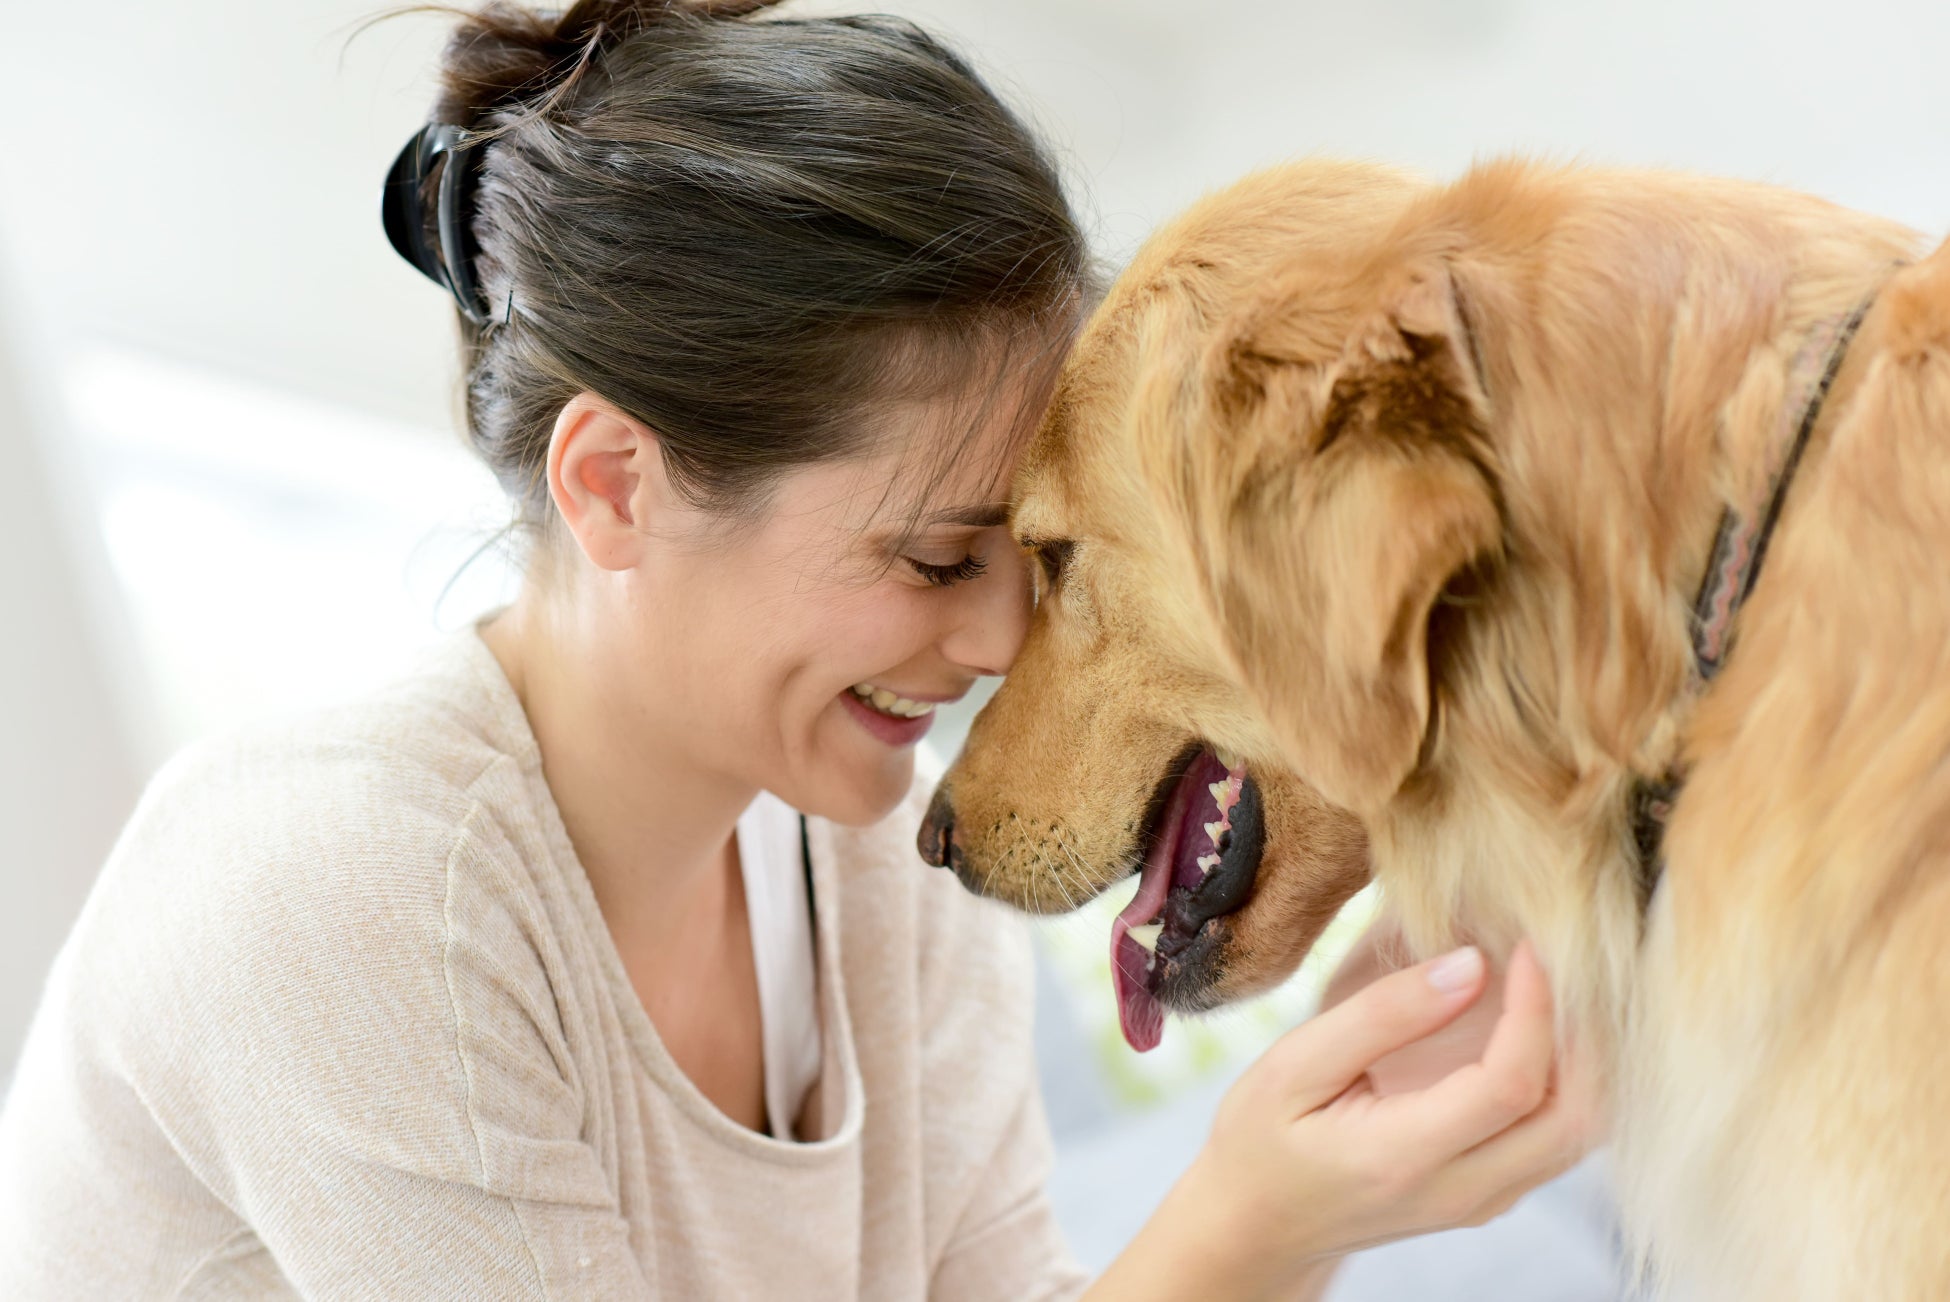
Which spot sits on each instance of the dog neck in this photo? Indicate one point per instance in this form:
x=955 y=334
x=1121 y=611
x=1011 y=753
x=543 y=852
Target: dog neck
x=1566 y=675
x=1739 y=550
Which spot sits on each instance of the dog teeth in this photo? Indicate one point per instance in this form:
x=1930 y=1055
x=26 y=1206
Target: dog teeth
x=1215 y=830
x=1225 y=795
x=1228 y=758
x=1147 y=936
x=1207 y=863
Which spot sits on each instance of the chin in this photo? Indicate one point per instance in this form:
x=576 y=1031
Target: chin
x=878 y=794
x=851 y=786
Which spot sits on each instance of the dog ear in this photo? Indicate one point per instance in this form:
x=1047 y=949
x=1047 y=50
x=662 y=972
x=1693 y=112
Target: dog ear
x=1354 y=488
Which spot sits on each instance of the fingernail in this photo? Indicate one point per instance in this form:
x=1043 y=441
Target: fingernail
x=1456 y=970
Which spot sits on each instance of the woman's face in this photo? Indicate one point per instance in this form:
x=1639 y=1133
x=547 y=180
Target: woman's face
x=804 y=652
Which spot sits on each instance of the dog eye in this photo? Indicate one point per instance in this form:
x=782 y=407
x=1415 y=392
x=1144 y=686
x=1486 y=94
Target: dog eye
x=1053 y=556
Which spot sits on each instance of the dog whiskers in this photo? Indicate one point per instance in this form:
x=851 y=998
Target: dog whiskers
x=1082 y=876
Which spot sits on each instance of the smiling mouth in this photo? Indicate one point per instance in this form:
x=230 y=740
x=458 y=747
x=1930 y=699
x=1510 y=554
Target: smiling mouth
x=891 y=703
x=1205 y=839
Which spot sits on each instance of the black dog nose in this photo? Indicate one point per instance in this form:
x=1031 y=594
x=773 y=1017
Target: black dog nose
x=937 y=838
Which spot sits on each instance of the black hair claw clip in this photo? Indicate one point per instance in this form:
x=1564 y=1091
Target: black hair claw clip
x=450 y=262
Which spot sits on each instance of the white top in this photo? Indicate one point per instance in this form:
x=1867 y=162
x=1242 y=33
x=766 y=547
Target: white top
x=342 y=1019
x=780 y=911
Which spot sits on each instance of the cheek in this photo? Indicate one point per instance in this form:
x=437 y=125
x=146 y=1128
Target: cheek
x=737 y=657
x=797 y=657
x=862 y=635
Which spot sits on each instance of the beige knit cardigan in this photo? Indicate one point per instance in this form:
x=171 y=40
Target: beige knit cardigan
x=341 y=1019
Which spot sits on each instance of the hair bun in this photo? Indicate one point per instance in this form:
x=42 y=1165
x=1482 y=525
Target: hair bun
x=505 y=55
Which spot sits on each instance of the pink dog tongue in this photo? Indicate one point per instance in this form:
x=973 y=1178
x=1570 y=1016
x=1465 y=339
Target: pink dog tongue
x=1138 y=1010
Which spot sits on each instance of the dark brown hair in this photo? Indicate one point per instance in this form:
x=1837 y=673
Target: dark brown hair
x=746 y=234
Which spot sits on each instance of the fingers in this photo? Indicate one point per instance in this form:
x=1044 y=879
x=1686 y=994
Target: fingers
x=1540 y=1147
x=1510 y=1082
x=1378 y=952
x=1317 y=1060
x=1461 y=1150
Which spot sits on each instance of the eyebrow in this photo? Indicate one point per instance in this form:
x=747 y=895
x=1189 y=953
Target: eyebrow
x=988 y=516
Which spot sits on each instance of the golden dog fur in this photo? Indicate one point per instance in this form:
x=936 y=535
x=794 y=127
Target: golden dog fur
x=1403 y=491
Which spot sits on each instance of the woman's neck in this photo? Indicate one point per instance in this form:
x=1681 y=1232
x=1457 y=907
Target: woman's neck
x=653 y=829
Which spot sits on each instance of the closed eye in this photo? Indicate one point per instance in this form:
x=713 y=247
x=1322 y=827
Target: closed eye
x=1052 y=555
x=942 y=576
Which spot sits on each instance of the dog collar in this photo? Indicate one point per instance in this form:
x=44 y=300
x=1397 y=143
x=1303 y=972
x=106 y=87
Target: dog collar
x=1739 y=547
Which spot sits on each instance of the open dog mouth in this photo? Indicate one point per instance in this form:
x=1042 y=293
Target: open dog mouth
x=1206 y=837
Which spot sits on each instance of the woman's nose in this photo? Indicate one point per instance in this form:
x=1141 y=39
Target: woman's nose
x=992 y=618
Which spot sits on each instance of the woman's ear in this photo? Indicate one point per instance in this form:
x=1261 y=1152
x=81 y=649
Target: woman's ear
x=1358 y=486
x=606 y=476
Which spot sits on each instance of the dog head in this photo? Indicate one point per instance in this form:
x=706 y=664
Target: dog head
x=1188 y=465
x=1372 y=508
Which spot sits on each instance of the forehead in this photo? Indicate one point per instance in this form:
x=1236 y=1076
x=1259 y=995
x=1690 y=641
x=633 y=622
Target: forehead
x=940 y=459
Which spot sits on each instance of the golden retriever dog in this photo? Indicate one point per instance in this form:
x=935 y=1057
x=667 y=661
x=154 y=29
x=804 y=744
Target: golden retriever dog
x=1394 y=528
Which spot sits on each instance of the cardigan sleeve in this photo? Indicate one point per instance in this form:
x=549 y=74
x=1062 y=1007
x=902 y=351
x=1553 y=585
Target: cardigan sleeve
x=357 y=1054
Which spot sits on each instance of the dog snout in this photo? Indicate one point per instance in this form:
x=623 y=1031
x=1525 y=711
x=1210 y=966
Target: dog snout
x=937 y=837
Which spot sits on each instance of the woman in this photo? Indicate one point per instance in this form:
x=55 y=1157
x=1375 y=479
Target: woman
x=594 y=960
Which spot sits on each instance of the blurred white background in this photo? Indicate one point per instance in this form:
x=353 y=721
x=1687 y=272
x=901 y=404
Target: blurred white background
x=231 y=482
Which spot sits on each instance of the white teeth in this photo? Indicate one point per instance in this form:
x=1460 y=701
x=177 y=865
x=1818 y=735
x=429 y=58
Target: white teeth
x=1218 y=790
x=1214 y=831
x=1208 y=863
x=1228 y=758
x=1147 y=936
x=889 y=703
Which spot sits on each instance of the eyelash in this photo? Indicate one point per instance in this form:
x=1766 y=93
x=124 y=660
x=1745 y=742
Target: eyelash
x=942 y=576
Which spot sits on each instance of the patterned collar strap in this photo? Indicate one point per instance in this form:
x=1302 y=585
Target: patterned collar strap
x=1739 y=547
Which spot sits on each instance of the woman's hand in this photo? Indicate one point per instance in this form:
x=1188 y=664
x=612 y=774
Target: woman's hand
x=1308 y=1160
x=1426 y=1060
